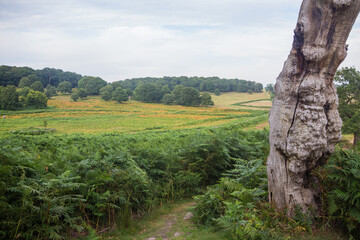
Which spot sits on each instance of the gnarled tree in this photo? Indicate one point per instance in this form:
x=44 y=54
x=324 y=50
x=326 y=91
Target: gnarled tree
x=304 y=121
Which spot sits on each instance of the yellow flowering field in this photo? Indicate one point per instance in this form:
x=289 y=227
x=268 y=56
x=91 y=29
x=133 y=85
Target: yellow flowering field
x=93 y=115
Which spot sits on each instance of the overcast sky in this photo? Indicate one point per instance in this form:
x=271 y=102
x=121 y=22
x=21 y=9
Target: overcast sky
x=119 y=39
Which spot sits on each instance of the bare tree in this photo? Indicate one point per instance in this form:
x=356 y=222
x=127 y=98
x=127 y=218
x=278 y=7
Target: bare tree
x=304 y=122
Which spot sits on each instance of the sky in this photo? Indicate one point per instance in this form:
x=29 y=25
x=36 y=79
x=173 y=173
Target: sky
x=120 y=39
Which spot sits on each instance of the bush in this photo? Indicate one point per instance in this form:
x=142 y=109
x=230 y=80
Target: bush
x=75 y=96
x=343 y=187
x=34 y=99
x=9 y=98
x=168 y=99
x=37 y=86
x=65 y=87
x=106 y=95
x=82 y=93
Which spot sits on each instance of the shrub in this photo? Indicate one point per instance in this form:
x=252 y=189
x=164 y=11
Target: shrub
x=343 y=187
x=34 y=99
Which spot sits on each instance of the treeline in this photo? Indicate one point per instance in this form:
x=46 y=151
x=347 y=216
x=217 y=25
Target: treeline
x=48 y=76
x=202 y=84
x=55 y=187
x=186 y=96
x=11 y=99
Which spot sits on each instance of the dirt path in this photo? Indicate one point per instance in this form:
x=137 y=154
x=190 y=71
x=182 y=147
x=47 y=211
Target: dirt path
x=171 y=222
x=174 y=225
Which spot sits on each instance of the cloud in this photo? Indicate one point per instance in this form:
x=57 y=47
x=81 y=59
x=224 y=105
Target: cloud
x=124 y=39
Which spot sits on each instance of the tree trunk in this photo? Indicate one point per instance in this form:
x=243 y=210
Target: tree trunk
x=304 y=122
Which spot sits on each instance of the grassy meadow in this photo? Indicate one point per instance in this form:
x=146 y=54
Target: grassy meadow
x=93 y=115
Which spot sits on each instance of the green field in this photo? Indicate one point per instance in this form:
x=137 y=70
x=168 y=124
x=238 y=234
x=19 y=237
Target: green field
x=93 y=115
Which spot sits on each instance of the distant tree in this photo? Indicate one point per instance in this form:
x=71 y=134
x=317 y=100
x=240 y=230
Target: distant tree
x=190 y=97
x=348 y=91
x=242 y=87
x=148 y=92
x=50 y=91
x=129 y=92
x=165 y=90
x=119 y=95
x=107 y=88
x=168 y=99
x=25 y=82
x=206 y=100
x=217 y=92
x=250 y=91
x=37 y=86
x=74 y=96
x=177 y=93
x=9 y=98
x=23 y=92
x=82 y=93
x=34 y=99
x=92 y=84
x=65 y=87
x=270 y=88
x=33 y=78
x=106 y=95
x=258 y=87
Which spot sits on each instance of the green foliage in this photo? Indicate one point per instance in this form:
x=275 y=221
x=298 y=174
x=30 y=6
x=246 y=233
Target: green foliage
x=24 y=91
x=348 y=91
x=168 y=99
x=190 y=97
x=50 y=91
x=119 y=95
x=53 y=186
x=108 y=88
x=75 y=96
x=82 y=93
x=34 y=99
x=107 y=96
x=37 y=86
x=202 y=84
x=343 y=193
x=258 y=87
x=178 y=93
x=217 y=92
x=270 y=88
x=13 y=75
x=9 y=98
x=65 y=87
x=148 y=92
x=24 y=82
x=92 y=84
x=206 y=100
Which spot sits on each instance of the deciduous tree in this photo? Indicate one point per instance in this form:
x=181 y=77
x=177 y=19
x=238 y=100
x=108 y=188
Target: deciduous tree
x=206 y=100
x=37 y=86
x=92 y=84
x=349 y=101
x=65 y=87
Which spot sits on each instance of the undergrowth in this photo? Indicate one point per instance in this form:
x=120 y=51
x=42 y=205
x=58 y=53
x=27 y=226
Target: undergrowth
x=68 y=186
x=238 y=202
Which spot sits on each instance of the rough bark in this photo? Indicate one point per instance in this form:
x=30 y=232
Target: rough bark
x=304 y=122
